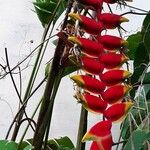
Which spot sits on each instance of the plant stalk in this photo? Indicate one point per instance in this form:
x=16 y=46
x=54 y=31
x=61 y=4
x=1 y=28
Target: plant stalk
x=82 y=129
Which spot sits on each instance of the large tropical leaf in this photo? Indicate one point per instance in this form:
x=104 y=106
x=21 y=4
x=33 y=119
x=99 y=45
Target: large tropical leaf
x=137 y=140
x=45 y=10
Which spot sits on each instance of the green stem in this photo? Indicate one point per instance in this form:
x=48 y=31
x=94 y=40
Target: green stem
x=82 y=129
x=33 y=74
x=56 y=85
x=47 y=105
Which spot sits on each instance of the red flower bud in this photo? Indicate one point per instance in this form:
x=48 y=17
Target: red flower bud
x=97 y=4
x=112 y=60
x=89 y=25
x=91 y=66
x=89 y=83
x=101 y=130
x=110 y=20
x=114 y=1
x=113 y=77
x=112 y=42
x=103 y=144
x=91 y=103
x=88 y=47
x=118 y=112
x=115 y=93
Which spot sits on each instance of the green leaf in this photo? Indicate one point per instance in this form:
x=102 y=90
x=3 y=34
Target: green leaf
x=141 y=59
x=29 y=147
x=64 y=143
x=2 y=144
x=147 y=78
x=133 y=41
x=146 y=31
x=8 y=145
x=138 y=139
x=70 y=69
x=125 y=132
x=45 y=10
x=25 y=145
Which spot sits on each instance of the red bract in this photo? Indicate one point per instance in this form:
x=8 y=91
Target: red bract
x=88 y=47
x=92 y=103
x=110 y=20
x=91 y=66
x=118 y=112
x=103 y=144
x=89 y=83
x=88 y=24
x=114 y=1
x=98 y=131
x=112 y=60
x=112 y=42
x=113 y=77
x=115 y=93
x=97 y=4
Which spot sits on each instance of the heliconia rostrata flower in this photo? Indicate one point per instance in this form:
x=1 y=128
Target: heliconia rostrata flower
x=100 y=130
x=92 y=66
x=102 y=88
x=88 y=47
x=90 y=84
x=115 y=93
x=118 y=112
x=111 y=21
x=113 y=60
x=91 y=103
x=88 y=24
x=112 y=42
x=113 y=77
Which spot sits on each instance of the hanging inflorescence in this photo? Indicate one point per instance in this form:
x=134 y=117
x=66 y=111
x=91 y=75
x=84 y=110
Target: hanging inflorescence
x=103 y=86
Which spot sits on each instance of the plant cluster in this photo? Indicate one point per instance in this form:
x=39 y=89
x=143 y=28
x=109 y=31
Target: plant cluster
x=104 y=83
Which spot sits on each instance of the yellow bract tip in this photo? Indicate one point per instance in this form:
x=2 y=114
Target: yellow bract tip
x=127 y=88
x=75 y=40
x=123 y=19
x=87 y=137
x=128 y=106
x=124 y=43
x=127 y=74
x=74 y=16
x=78 y=79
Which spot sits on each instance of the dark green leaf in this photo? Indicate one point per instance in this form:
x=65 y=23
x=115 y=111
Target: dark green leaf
x=70 y=69
x=141 y=59
x=147 y=78
x=133 y=41
x=146 y=31
x=45 y=10
x=138 y=139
